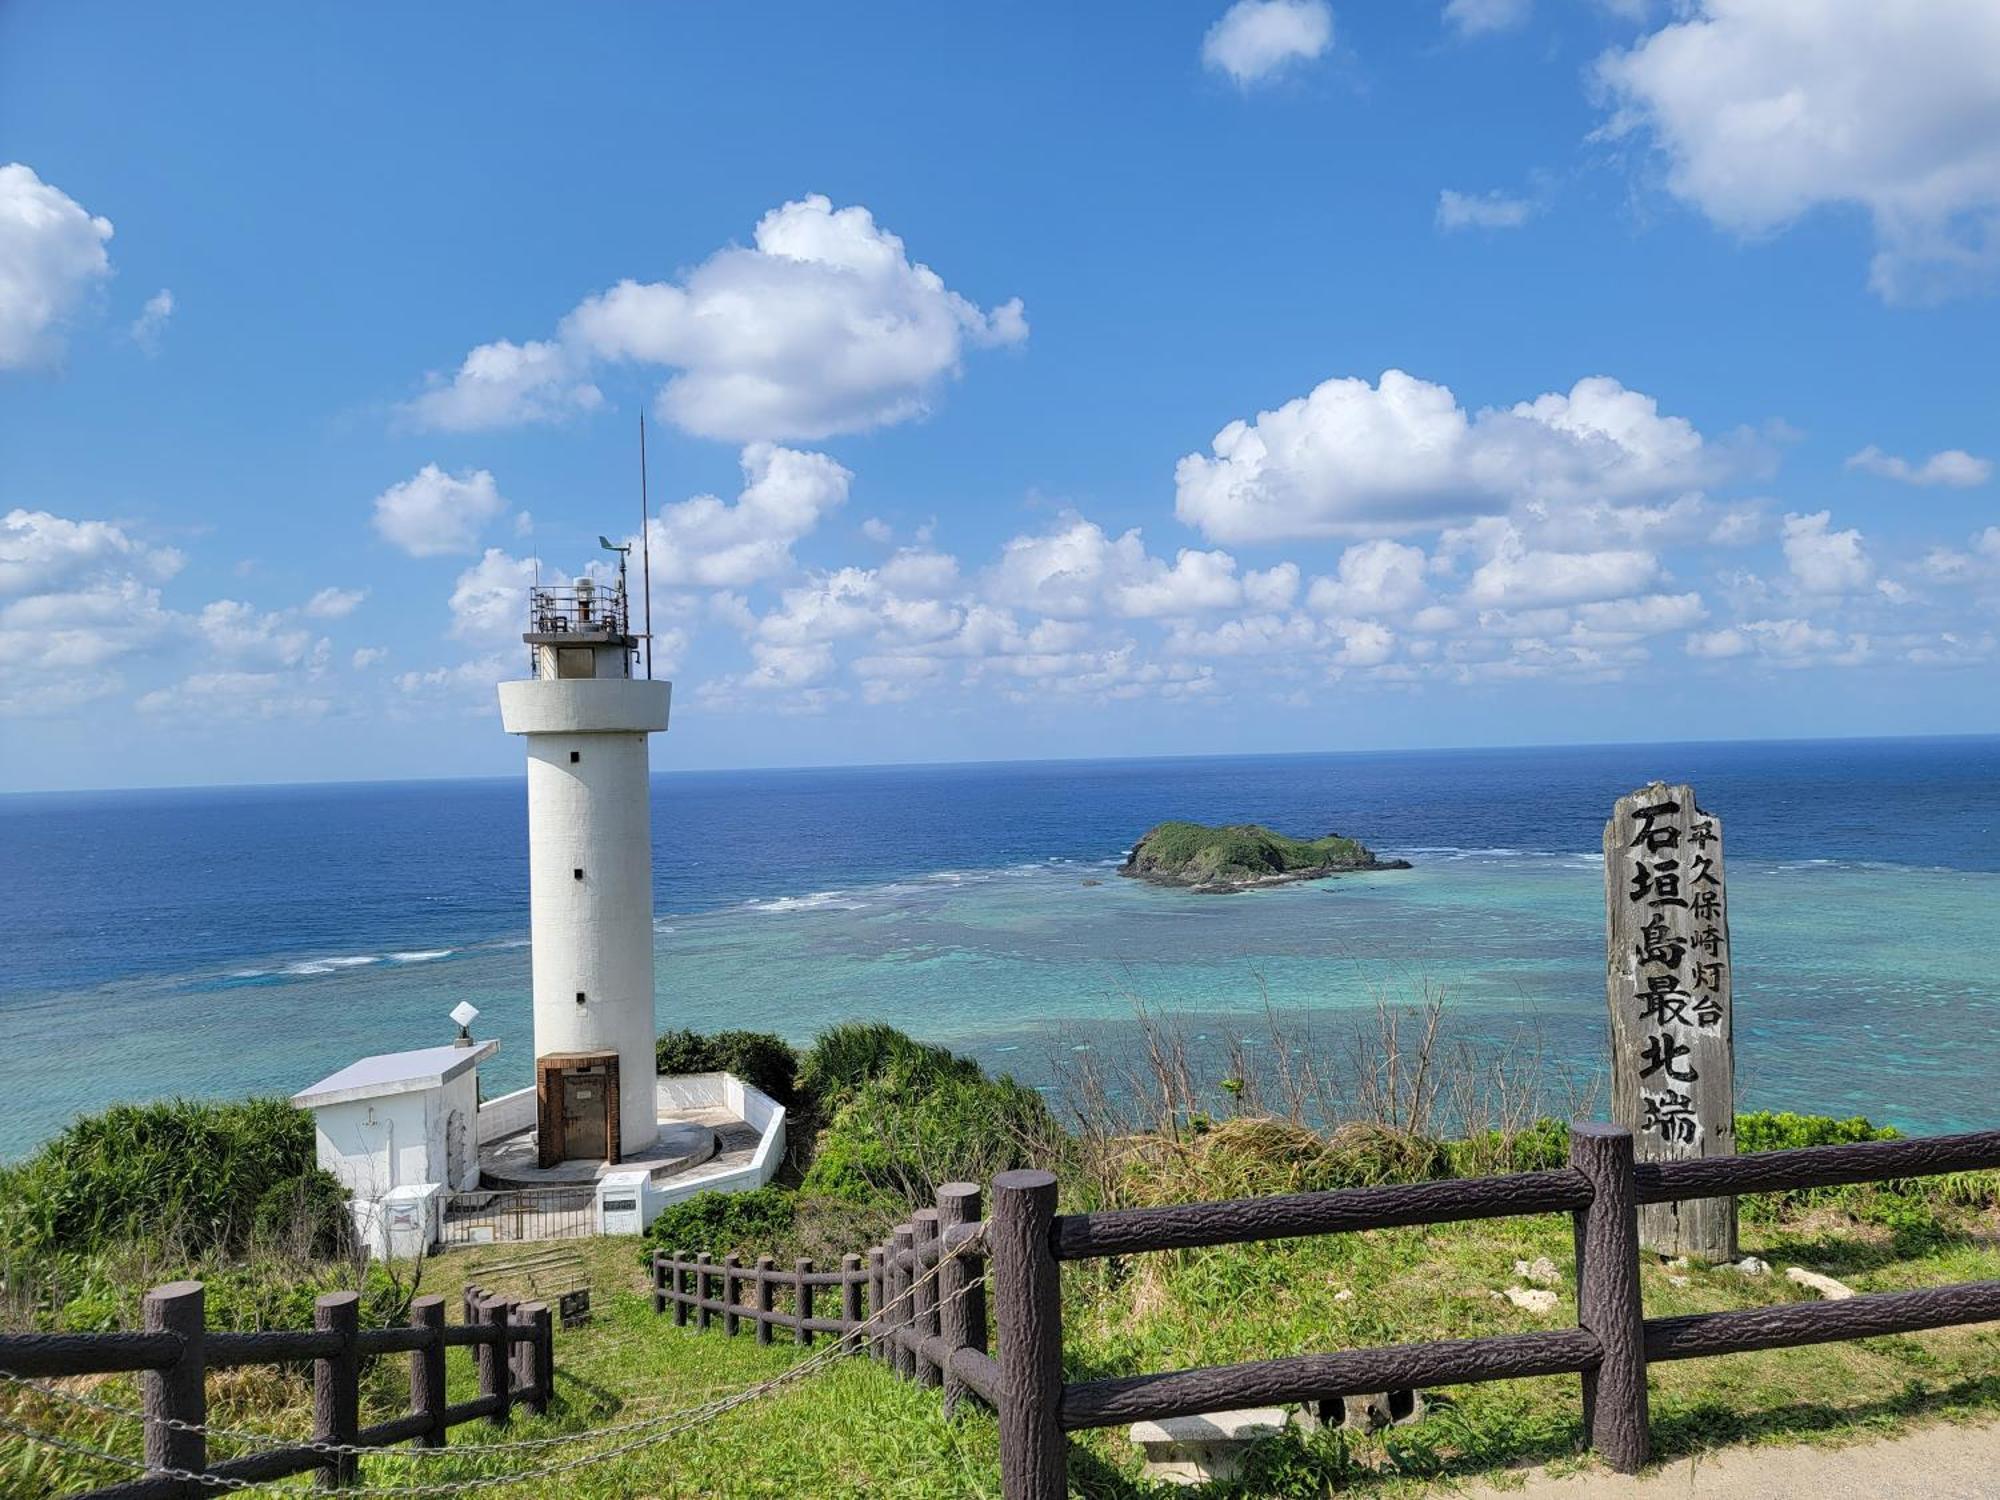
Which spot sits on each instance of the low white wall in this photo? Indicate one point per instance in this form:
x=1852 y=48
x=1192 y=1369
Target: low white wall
x=678 y=1091
x=507 y=1115
x=753 y=1107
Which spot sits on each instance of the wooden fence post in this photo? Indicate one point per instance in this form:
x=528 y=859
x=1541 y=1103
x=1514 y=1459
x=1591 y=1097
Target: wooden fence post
x=1607 y=1295
x=878 y=1283
x=802 y=1299
x=960 y=1324
x=337 y=1385
x=659 y=1282
x=924 y=1305
x=850 y=1302
x=1027 y=1285
x=179 y=1392
x=901 y=1360
x=767 y=1291
x=427 y=1370
x=701 y=1314
x=545 y=1355
x=731 y=1287
x=526 y=1355
x=492 y=1361
x=473 y=1297
x=681 y=1278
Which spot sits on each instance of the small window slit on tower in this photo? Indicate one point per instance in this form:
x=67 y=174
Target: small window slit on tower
x=579 y=997
x=577 y=873
x=575 y=756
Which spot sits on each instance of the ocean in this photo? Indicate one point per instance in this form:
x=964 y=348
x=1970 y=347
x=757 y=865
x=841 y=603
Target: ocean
x=217 y=942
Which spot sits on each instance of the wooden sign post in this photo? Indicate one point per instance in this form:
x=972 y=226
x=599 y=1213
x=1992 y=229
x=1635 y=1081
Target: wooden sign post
x=1667 y=976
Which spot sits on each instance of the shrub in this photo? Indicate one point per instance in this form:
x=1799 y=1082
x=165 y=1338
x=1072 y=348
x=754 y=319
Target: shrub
x=191 y=1171
x=1907 y=1207
x=760 y=1059
x=307 y=1216
x=1767 y=1130
x=773 y=1221
x=843 y=1058
x=907 y=1131
x=1542 y=1147
x=727 y=1223
x=1251 y=1156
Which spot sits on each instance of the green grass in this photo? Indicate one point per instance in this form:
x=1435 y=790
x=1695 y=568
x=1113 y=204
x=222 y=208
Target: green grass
x=854 y=1429
x=857 y=1430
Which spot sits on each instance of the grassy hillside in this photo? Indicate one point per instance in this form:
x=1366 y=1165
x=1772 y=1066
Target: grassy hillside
x=855 y=1430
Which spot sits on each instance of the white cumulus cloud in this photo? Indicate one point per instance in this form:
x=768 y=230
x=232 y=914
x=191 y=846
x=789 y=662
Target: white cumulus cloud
x=713 y=544
x=1403 y=454
x=1951 y=467
x=1256 y=39
x=822 y=325
x=1768 y=109
x=489 y=602
x=1374 y=577
x=502 y=384
x=433 y=513
x=1823 y=561
x=334 y=603
x=42 y=552
x=51 y=254
x=1516 y=577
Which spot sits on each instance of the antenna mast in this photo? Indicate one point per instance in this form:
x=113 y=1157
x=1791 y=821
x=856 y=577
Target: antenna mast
x=646 y=543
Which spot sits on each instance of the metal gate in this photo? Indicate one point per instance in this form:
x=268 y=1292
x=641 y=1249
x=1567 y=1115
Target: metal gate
x=494 y=1218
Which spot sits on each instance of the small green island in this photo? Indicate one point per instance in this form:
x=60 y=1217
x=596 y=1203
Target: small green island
x=1243 y=856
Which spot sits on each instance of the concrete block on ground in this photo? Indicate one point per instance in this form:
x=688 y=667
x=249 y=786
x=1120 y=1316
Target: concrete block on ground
x=1205 y=1447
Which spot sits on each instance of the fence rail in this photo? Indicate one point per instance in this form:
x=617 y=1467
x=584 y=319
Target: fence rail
x=513 y=1345
x=938 y=1335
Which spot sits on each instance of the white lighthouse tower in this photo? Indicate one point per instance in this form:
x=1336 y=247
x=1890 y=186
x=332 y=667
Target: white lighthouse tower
x=585 y=718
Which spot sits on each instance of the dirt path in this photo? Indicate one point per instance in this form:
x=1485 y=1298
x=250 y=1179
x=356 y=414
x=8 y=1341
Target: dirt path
x=1935 y=1463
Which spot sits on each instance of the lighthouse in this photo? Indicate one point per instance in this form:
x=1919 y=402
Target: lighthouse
x=585 y=718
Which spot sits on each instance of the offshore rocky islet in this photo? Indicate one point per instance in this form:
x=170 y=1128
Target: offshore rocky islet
x=1243 y=856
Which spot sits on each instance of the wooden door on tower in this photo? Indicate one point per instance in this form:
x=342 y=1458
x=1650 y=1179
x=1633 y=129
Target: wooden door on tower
x=585 y=1098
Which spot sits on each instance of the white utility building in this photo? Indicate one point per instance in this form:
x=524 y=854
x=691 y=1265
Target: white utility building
x=590 y=871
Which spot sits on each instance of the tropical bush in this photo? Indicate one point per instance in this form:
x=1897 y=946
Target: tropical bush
x=1781 y=1130
x=904 y=1133
x=760 y=1059
x=843 y=1058
x=197 y=1172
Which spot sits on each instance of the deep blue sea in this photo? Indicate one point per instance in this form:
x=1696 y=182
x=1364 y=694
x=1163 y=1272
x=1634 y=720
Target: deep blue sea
x=215 y=942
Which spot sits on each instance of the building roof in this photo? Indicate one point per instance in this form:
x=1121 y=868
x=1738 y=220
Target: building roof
x=394 y=1073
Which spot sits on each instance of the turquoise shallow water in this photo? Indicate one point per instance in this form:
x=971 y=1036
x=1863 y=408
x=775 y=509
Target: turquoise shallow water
x=1859 y=990
x=218 y=942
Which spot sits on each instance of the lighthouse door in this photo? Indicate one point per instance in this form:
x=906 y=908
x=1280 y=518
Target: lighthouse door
x=584 y=1104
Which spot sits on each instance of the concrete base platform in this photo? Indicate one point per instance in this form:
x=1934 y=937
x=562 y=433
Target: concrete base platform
x=684 y=1142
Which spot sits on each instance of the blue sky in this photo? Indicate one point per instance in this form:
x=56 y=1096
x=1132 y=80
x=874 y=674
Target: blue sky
x=1487 y=372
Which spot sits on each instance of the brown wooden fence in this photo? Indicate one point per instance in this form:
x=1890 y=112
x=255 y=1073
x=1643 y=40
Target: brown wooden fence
x=513 y=1346
x=1027 y=1242
x=917 y=1302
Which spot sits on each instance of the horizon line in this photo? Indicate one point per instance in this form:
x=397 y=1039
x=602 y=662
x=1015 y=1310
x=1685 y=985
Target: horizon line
x=1052 y=760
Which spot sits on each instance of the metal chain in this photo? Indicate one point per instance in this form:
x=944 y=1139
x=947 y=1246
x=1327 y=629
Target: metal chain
x=865 y=1331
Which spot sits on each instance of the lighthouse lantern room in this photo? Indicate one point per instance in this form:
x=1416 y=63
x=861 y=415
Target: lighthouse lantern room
x=585 y=719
